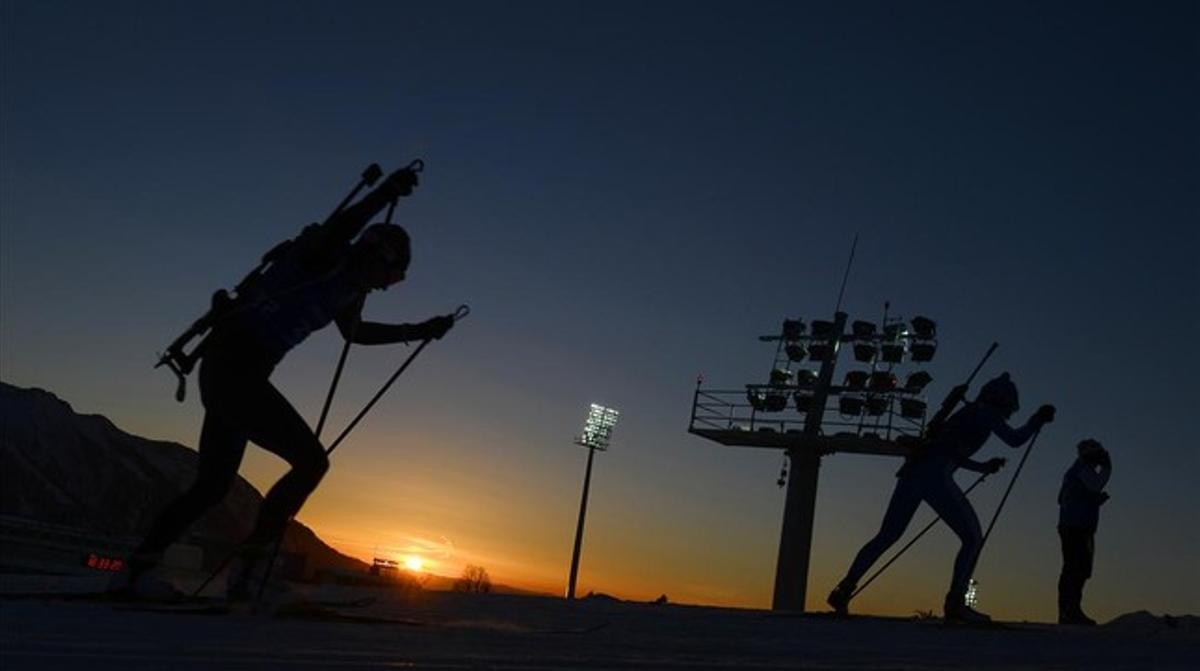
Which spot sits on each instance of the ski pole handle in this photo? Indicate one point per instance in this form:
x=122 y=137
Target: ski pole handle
x=462 y=311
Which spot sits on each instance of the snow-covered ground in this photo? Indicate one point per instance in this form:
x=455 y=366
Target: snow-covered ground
x=455 y=631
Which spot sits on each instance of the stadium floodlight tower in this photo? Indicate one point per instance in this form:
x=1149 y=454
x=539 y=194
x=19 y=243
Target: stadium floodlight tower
x=805 y=414
x=596 y=433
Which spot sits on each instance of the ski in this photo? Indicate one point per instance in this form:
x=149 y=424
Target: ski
x=183 y=608
x=106 y=597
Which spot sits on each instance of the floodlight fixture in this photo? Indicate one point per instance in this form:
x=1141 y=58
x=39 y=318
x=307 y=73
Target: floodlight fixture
x=850 y=405
x=781 y=377
x=822 y=330
x=877 y=405
x=895 y=330
x=757 y=399
x=924 y=328
x=892 y=352
x=820 y=351
x=912 y=408
x=857 y=379
x=862 y=329
x=882 y=381
x=922 y=351
x=795 y=351
x=865 y=352
x=596 y=432
x=598 y=428
x=766 y=401
x=917 y=382
x=806 y=379
x=793 y=329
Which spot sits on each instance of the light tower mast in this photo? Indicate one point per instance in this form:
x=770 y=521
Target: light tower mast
x=869 y=413
x=596 y=433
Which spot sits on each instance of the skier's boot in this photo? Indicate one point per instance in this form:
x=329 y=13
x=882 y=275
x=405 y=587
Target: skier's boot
x=1070 y=609
x=138 y=582
x=247 y=573
x=839 y=598
x=1074 y=615
x=956 y=609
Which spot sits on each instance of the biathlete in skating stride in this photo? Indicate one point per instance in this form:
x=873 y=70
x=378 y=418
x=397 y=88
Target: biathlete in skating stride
x=928 y=476
x=324 y=276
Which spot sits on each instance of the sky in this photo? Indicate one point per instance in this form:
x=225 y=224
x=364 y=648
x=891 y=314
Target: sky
x=627 y=195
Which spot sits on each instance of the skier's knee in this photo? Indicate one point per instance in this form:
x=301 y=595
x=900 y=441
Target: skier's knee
x=887 y=537
x=314 y=466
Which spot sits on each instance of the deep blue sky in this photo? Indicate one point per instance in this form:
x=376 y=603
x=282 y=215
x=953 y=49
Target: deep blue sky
x=627 y=194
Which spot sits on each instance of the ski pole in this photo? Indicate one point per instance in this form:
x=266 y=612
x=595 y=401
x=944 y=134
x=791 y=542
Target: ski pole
x=375 y=172
x=341 y=364
x=461 y=312
x=320 y=425
x=337 y=375
x=1004 y=499
x=916 y=538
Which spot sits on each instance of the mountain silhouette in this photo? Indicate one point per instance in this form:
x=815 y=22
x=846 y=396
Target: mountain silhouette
x=82 y=471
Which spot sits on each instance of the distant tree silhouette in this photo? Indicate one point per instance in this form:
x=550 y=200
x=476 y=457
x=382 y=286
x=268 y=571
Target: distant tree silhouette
x=474 y=579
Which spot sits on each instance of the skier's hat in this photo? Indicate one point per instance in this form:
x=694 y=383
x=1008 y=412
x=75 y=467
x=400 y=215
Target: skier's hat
x=1088 y=447
x=389 y=241
x=1001 y=393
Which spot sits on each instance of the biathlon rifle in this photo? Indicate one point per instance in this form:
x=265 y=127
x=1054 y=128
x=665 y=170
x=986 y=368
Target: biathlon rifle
x=180 y=360
x=956 y=396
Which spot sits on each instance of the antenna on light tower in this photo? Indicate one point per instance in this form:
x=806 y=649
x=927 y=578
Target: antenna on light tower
x=597 y=431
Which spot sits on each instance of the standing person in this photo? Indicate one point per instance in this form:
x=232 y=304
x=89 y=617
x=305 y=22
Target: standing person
x=1079 y=502
x=324 y=276
x=929 y=476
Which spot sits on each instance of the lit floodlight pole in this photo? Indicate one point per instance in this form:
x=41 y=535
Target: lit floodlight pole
x=800 y=504
x=596 y=433
x=875 y=415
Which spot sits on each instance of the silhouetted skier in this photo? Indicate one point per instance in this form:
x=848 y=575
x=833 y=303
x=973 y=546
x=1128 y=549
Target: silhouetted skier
x=325 y=276
x=1079 y=502
x=929 y=476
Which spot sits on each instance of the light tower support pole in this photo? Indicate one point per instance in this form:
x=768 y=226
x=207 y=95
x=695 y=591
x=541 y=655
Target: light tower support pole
x=799 y=509
x=587 y=480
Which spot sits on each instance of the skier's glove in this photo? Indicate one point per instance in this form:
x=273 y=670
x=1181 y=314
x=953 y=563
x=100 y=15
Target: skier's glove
x=402 y=181
x=436 y=328
x=994 y=465
x=1044 y=415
